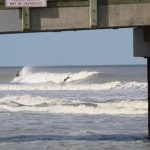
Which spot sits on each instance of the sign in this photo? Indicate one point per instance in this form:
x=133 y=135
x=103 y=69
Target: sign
x=26 y=3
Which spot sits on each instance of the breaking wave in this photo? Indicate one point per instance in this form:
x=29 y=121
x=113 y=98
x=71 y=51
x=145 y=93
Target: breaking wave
x=33 y=91
x=30 y=79
x=27 y=103
x=116 y=85
x=28 y=75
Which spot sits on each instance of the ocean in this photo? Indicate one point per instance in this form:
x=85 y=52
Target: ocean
x=97 y=107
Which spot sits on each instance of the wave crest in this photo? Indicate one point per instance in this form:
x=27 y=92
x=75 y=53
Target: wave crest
x=47 y=105
x=29 y=75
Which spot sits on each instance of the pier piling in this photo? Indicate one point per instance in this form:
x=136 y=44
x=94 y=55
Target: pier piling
x=148 y=81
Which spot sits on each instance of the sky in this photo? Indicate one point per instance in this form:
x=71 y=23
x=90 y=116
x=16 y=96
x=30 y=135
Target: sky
x=91 y=47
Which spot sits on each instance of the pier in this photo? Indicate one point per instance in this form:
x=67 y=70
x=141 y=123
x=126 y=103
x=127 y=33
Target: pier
x=73 y=15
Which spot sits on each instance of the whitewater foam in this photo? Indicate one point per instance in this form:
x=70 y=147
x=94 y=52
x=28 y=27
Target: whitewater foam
x=28 y=103
x=27 y=75
x=116 y=85
x=15 y=95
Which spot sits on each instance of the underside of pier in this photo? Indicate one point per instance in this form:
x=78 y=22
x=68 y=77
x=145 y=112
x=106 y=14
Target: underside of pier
x=61 y=15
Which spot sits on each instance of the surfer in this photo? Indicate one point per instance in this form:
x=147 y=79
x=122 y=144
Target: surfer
x=66 y=79
x=17 y=74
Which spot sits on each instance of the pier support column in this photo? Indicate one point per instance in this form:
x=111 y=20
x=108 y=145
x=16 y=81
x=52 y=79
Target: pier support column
x=148 y=80
x=142 y=49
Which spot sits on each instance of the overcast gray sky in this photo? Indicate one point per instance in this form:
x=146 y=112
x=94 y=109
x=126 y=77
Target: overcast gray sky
x=95 y=47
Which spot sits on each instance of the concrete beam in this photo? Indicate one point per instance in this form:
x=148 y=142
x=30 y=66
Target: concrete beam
x=128 y=15
x=76 y=17
x=100 y=2
x=10 y=20
x=119 y=2
x=50 y=19
x=109 y=16
x=142 y=42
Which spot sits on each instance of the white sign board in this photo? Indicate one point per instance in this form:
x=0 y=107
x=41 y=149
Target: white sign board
x=26 y=3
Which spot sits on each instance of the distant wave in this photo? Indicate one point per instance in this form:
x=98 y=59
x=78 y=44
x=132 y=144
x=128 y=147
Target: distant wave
x=46 y=105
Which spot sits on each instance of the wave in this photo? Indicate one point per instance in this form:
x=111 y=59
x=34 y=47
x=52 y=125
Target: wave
x=32 y=79
x=28 y=103
x=116 y=85
x=29 y=75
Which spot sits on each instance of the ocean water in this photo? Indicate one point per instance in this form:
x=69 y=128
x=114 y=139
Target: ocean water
x=98 y=108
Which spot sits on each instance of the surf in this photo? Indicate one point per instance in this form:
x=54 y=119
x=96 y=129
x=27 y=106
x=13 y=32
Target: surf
x=31 y=75
x=28 y=103
x=32 y=78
